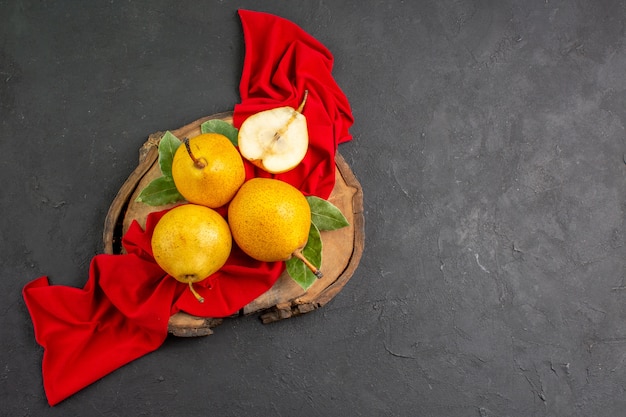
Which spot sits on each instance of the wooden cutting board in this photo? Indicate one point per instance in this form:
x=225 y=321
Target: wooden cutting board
x=341 y=253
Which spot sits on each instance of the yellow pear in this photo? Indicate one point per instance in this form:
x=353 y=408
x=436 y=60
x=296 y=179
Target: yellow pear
x=269 y=219
x=208 y=170
x=191 y=242
x=275 y=140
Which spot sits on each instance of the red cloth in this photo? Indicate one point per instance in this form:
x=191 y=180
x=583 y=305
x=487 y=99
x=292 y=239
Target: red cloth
x=281 y=62
x=122 y=311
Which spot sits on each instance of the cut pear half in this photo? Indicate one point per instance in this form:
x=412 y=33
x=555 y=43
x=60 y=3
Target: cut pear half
x=275 y=140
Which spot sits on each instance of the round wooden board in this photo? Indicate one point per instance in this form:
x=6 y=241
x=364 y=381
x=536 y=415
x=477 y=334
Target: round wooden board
x=341 y=253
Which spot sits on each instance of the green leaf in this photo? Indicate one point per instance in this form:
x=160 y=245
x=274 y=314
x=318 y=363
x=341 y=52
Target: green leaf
x=221 y=127
x=167 y=148
x=160 y=191
x=325 y=215
x=297 y=270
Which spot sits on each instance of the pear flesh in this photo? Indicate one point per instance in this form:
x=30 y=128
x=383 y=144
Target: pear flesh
x=275 y=140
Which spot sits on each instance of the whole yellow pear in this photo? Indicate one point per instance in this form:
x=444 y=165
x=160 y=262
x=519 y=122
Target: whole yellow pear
x=208 y=170
x=191 y=242
x=269 y=219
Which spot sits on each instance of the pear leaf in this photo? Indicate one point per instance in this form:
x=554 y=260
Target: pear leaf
x=167 y=148
x=325 y=215
x=221 y=127
x=297 y=270
x=160 y=191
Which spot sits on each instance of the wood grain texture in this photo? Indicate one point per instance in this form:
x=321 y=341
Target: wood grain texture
x=341 y=253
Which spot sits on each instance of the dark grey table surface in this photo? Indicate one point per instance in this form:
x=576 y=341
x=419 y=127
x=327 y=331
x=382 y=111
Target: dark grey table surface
x=489 y=139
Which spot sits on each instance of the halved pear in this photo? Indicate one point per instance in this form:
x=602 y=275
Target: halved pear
x=275 y=140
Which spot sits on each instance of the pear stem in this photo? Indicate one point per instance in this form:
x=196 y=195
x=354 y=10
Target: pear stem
x=283 y=129
x=298 y=254
x=301 y=107
x=195 y=293
x=199 y=163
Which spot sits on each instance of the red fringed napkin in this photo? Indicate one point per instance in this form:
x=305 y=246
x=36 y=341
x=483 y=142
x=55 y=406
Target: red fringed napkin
x=122 y=312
